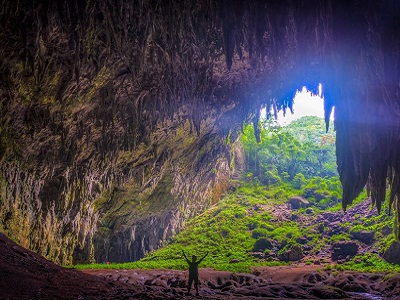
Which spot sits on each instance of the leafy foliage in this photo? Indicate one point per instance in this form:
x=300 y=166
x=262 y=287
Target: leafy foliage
x=295 y=152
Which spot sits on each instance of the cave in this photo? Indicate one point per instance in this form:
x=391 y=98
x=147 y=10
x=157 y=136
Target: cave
x=115 y=115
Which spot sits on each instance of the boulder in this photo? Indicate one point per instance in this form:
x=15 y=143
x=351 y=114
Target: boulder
x=386 y=230
x=367 y=237
x=262 y=244
x=293 y=254
x=392 y=254
x=259 y=255
x=302 y=240
x=341 y=250
x=298 y=202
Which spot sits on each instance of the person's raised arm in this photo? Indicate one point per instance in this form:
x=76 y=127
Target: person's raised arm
x=184 y=255
x=203 y=257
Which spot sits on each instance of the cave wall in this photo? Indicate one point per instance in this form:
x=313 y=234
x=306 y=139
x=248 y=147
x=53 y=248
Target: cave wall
x=101 y=158
x=118 y=118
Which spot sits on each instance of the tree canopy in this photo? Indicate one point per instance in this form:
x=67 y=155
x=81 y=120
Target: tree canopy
x=300 y=150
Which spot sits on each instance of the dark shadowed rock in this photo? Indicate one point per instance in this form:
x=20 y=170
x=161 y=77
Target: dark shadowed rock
x=262 y=244
x=302 y=240
x=309 y=211
x=367 y=237
x=341 y=250
x=386 y=230
x=293 y=254
x=392 y=254
x=298 y=202
x=329 y=292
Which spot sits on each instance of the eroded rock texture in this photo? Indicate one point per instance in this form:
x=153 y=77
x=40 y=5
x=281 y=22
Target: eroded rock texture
x=118 y=118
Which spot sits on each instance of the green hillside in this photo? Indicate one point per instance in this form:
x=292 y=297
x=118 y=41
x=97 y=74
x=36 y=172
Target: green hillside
x=255 y=224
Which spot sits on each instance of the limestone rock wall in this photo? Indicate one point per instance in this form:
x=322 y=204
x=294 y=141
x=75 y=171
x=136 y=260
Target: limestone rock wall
x=118 y=117
x=96 y=151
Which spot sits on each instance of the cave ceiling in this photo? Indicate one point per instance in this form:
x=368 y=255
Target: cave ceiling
x=202 y=59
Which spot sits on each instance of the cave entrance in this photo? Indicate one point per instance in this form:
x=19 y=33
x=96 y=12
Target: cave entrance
x=295 y=153
x=305 y=103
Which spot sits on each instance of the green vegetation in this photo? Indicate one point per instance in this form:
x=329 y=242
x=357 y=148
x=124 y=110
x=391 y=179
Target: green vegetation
x=226 y=231
x=368 y=262
x=252 y=226
x=292 y=153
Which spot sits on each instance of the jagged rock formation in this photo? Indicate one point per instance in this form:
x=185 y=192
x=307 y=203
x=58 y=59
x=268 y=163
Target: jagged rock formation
x=118 y=118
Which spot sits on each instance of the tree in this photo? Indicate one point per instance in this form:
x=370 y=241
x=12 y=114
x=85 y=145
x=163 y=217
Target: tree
x=293 y=153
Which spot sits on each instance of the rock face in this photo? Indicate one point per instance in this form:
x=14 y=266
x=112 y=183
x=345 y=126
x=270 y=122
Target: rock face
x=99 y=158
x=342 y=250
x=392 y=254
x=367 y=237
x=118 y=121
x=293 y=254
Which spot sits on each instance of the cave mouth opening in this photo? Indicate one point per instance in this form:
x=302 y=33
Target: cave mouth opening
x=306 y=102
x=296 y=144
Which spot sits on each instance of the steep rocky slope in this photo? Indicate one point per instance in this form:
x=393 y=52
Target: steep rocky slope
x=27 y=275
x=118 y=118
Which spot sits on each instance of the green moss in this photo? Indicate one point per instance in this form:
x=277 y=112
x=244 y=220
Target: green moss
x=286 y=231
x=368 y=262
x=231 y=229
x=339 y=237
x=222 y=230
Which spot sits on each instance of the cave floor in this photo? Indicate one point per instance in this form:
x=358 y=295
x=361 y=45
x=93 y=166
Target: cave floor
x=283 y=282
x=26 y=275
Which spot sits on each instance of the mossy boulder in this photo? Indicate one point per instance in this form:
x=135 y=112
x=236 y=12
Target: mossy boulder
x=367 y=237
x=392 y=254
x=341 y=250
x=294 y=253
x=262 y=244
x=298 y=202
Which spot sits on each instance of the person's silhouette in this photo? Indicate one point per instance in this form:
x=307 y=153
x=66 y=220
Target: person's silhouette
x=193 y=272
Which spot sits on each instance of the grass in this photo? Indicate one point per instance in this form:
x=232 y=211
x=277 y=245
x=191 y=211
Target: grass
x=225 y=231
x=234 y=228
x=367 y=263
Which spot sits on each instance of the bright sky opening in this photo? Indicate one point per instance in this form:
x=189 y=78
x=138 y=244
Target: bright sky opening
x=305 y=104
